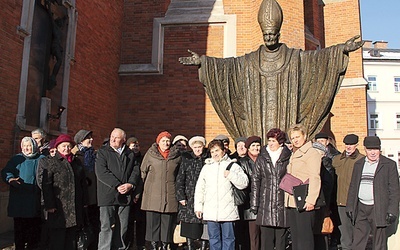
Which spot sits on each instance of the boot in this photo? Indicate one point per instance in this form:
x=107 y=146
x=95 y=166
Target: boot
x=204 y=245
x=190 y=244
x=164 y=246
x=154 y=245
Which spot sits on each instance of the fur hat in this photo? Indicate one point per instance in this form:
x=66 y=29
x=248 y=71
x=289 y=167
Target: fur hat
x=251 y=140
x=350 y=139
x=63 y=138
x=372 y=142
x=179 y=138
x=195 y=139
x=81 y=135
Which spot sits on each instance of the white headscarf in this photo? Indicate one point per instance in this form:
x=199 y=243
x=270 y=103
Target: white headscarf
x=33 y=143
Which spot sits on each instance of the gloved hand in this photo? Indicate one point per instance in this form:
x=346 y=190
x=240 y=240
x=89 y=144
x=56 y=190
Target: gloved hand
x=254 y=210
x=390 y=218
x=350 y=215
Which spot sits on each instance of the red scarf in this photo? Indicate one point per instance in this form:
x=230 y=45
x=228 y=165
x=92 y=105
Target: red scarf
x=68 y=157
x=164 y=154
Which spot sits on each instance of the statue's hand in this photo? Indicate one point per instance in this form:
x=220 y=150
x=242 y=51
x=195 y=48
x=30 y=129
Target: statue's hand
x=352 y=45
x=190 y=60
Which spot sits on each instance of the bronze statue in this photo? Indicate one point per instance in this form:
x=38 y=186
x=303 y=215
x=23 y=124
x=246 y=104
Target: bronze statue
x=274 y=86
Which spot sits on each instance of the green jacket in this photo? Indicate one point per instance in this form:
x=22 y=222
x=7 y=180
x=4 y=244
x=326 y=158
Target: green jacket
x=344 y=169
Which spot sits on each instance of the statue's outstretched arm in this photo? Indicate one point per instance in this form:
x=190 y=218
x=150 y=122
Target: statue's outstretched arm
x=352 y=45
x=190 y=60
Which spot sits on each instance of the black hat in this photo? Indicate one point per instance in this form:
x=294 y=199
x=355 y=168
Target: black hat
x=350 y=139
x=131 y=140
x=372 y=142
x=321 y=135
x=81 y=135
x=239 y=139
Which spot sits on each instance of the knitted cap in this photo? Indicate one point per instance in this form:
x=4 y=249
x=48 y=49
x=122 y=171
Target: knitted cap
x=251 y=140
x=195 y=139
x=163 y=134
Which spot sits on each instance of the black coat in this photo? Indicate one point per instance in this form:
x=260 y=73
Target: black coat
x=248 y=166
x=112 y=170
x=266 y=195
x=386 y=190
x=186 y=180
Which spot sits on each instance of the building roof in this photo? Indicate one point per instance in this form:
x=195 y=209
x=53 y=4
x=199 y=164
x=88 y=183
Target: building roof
x=381 y=54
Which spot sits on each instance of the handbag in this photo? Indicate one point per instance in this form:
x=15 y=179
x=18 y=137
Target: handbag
x=239 y=195
x=300 y=193
x=288 y=181
x=177 y=235
x=327 y=226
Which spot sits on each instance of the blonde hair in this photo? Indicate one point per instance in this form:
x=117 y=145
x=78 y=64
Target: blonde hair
x=297 y=127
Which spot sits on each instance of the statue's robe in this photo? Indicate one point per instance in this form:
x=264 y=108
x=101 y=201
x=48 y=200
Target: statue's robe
x=262 y=90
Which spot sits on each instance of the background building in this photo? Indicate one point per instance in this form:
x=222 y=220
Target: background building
x=119 y=65
x=382 y=70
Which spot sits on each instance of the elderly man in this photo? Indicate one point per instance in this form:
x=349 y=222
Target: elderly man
x=117 y=177
x=344 y=164
x=373 y=199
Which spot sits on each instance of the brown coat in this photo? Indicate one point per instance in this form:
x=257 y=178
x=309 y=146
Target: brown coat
x=305 y=164
x=159 y=176
x=344 y=169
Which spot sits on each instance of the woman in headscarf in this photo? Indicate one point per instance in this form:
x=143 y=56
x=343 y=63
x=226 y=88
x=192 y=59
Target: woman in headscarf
x=159 y=169
x=24 y=199
x=64 y=187
x=189 y=171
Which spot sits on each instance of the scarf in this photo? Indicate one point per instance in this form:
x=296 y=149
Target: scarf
x=252 y=157
x=68 y=157
x=274 y=154
x=89 y=157
x=164 y=154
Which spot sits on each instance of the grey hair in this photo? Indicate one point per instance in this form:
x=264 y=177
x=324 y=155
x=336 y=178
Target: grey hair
x=40 y=132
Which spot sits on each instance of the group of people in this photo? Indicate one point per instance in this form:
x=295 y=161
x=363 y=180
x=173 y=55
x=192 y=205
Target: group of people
x=57 y=188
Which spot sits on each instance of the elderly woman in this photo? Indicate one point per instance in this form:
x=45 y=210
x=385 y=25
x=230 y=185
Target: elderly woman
x=24 y=199
x=189 y=171
x=213 y=198
x=247 y=231
x=159 y=169
x=304 y=164
x=64 y=189
x=180 y=142
x=267 y=200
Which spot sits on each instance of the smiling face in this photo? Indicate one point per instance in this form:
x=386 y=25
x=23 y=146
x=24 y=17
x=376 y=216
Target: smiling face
x=217 y=153
x=64 y=148
x=273 y=144
x=254 y=148
x=27 y=148
x=117 y=138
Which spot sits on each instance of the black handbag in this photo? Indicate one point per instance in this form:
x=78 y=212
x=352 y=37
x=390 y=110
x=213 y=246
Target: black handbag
x=239 y=196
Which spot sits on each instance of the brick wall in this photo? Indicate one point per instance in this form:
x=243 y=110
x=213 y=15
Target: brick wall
x=11 y=45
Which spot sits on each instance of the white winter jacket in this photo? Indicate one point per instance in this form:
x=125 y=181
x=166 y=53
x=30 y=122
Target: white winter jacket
x=213 y=195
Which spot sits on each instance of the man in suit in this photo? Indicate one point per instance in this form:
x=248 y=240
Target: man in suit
x=373 y=199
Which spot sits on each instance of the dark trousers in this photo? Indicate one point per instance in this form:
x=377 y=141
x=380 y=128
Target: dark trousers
x=301 y=228
x=273 y=236
x=137 y=225
x=160 y=226
x=26 y=231
x=247 y=235
x=62 y=238
x=346 y=229
x=365 y=222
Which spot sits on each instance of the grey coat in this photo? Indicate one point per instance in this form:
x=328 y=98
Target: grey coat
x=266 y=196
x=386 y=190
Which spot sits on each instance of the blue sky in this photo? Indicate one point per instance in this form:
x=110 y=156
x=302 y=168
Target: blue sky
x=380 y=21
